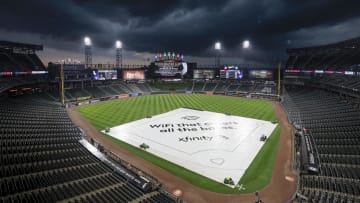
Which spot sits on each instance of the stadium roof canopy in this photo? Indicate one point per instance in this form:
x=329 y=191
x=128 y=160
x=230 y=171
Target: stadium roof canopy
x=23 y=46
x=341 y=55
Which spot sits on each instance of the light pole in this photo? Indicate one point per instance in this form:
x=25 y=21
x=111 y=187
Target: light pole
x=217 y=48
x=88 y=55
x=119 y=56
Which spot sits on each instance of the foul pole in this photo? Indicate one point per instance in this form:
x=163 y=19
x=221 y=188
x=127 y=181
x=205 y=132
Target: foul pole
x=62 y=85
x=279 y=70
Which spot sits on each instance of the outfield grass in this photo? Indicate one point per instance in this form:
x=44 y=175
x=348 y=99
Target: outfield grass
x=117 y=112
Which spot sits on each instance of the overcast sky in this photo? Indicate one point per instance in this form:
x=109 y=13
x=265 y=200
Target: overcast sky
x=189 y=26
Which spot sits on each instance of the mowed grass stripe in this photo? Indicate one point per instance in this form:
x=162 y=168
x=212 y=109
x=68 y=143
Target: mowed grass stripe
x=117 y=112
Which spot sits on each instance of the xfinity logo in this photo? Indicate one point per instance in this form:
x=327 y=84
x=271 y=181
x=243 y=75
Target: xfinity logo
x=190 y=118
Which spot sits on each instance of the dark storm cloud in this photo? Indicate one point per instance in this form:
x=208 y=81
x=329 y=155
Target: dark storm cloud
x=190 y=26
x=148 y=11
x=58 y=19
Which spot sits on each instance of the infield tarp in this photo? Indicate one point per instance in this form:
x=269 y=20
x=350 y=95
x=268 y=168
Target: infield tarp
x=214 y=145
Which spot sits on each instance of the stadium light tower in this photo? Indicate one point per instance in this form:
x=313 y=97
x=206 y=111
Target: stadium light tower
x=119 y=57
x=217 y=48
x=88 y=55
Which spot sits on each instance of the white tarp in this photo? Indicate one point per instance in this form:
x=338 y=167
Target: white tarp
x=214 y=145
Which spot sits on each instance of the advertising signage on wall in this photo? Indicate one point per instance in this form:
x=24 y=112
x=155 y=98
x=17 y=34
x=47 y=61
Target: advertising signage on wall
x=203 y=74
x=261 y=74
x=350 y=73
x=317 y=71
x=133 y=75
x=9 y=73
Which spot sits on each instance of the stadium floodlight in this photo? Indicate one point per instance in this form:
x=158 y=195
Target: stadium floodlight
x=217 y=46
x=88 y=54
x=246 y=44
x=87 y=41
x=118 y=44
x=119 y=55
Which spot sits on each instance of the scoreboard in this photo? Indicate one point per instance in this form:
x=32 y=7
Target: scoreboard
x=231 y=72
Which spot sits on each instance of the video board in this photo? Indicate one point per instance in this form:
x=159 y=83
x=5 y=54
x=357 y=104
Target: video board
x=105 y=74
x=231 y=72
x=167 y=70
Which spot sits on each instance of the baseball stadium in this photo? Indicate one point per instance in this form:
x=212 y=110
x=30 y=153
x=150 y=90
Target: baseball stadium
x=177 y=130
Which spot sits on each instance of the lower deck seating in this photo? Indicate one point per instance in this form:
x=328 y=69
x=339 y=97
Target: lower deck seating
x=42 y=160
x=334 y=126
